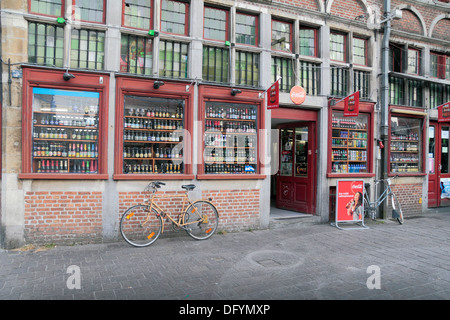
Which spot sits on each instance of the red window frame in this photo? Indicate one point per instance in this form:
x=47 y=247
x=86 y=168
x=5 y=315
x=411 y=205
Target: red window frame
x=442 y=64
x=221 y=94
x=364 y=108
x=256 y=28
x=140 y=87
x=316 y=39
x=63 y=5
x=290 y=34
x=405 y=114
x=345 y=53
x=50 y=78
x=186 y=19
x=227 y=24
x=104 y=13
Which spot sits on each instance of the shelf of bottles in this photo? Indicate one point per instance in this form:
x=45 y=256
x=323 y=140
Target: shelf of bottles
x=65 y=131
x=349 y=144
x=230 y=138
x=405 y=145
x=153 y=135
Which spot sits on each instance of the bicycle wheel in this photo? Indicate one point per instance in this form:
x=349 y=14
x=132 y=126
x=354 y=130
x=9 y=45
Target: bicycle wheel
x=202 y=220
x=397 y=212
x=139 y=227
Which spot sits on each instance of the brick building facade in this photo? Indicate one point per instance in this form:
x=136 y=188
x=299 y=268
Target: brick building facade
x=81 y=81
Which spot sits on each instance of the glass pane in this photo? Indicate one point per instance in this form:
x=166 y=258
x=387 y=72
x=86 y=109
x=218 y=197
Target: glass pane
x=287 y=141
x=301 y=152
x=444 y=150
x=349 y=142
x=153 y=140
x=65 y=131
x=431 y=149
x=406 y=145
x=230 y=138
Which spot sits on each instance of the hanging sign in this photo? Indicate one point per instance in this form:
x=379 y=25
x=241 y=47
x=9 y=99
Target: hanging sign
x=444 y=112
x=273 y=94
x=298 y=94
x=350 y=202
x=351 y=105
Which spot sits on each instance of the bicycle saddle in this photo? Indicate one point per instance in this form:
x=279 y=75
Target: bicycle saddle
x=188 y=187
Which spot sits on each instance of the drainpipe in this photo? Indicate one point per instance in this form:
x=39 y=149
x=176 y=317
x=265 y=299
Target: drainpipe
x=385 y=96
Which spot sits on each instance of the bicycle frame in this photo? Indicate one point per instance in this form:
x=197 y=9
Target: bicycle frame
x=386 y=193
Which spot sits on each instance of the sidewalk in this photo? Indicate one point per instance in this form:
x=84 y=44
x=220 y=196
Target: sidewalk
x=310 y=262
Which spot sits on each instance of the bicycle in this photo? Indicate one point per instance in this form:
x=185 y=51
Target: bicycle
x=142 y=224
x=370 y=208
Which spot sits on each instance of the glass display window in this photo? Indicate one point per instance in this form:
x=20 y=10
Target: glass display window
x=406 y=145
x=153 y=135
x=65 y=131
x=230 y=138
x=349 y=143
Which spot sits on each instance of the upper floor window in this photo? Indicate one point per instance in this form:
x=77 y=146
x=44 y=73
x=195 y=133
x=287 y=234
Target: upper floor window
x=413 y=61
x=174 y=17
x=395 y=58
x=136 y=54
x=281 y=36
x=47 y=7
x=45 y=44
x=90 y=10
x=309 y=41
x=137 y=14
x=173 y=59
x=440 y=66
x=360 y=51
x=87 y=49
x=215 y=64
x=283 y=69
x=215 y=26
x=246 y=29
x=338 y=47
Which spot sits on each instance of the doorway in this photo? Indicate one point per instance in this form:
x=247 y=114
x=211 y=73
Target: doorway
x=296 y=178
x=438 y=164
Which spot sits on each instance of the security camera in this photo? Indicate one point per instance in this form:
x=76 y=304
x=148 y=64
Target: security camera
x=67 y=76
x=158 y=84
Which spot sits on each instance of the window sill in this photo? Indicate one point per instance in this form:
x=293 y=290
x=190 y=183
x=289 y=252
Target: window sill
x=230 y=176
x=63 y=176
x=350 y=175
x=122 y=176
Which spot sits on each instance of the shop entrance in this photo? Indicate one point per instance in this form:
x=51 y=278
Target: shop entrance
x=295 y=180
x=438 y=164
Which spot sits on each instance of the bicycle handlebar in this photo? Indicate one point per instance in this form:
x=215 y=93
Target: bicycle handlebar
x=155 y=185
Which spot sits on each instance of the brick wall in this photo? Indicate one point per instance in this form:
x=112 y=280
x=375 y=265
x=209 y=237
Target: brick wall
x=409 y=196
x=63 y=217
x=238 y=209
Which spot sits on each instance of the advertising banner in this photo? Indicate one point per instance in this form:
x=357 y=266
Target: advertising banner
x=273 y=94
x=444 y=112
x=350 y=202
x=351 y=105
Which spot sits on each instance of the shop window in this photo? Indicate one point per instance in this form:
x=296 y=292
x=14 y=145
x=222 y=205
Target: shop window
x=45 y=44
x=65 y=131
x=281 y=36
x=406 y=145
x=215 y=64
x=309 y=77
x=174 y=17
x=137 y=14
x=338 y=47
x=215 y=25
x=360 y=51
x=230 y=139
x=309 y=41
x=153 y=135
x=350 y=143
x=247 y=68
x=246 y=29
x=90 y=10
x=47 y=7
x=173 y=59
x=339 y=81
x=283 y=67
x=87 y=49
x=361 y=83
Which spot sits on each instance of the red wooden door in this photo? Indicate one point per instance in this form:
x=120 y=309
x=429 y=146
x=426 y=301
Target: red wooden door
x=439 y=164
x=296 y=179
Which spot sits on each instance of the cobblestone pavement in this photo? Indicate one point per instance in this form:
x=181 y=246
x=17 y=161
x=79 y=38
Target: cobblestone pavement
x=409 y=261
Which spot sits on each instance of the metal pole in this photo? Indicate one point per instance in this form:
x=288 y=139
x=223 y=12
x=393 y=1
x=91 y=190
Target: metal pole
x=385 y=95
